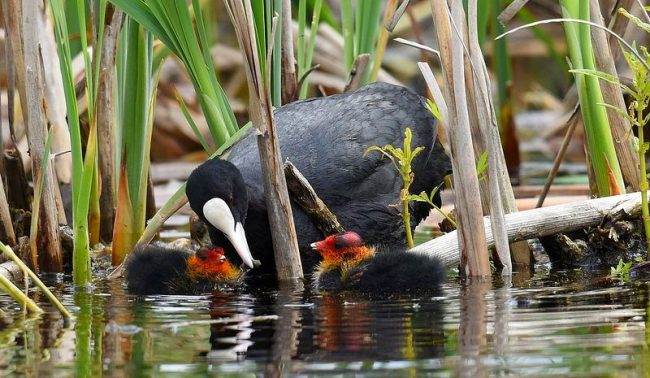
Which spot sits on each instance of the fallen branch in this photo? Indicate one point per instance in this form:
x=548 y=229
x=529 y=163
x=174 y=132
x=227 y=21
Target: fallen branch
x=302 y=193
x=539 y=222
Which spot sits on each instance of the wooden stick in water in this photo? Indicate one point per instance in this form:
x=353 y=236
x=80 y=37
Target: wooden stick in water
x=539 y=222
x=304 y=195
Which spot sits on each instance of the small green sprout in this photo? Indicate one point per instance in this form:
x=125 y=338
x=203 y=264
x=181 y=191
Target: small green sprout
x=622 y=269
x=402 y=158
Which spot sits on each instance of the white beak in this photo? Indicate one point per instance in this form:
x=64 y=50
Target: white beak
x=219 y=215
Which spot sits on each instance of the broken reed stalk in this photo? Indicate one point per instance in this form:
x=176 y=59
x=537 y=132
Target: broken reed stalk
x=23 y=29
x=511 y=10
x=285 y=243
x=105 y=124
x=471 y=238
x=289 y=78
x=20 y=297
x=543 y=221
x=303 y=194
x=613 y=95
x=12 y=256
x=357 y=72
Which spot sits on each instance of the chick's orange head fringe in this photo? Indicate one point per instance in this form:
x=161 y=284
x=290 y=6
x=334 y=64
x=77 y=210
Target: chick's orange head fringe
x=211 y=264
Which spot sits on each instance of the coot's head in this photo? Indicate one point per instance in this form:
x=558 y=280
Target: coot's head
x=217 y=193
x=344 y=247
x=211 y=263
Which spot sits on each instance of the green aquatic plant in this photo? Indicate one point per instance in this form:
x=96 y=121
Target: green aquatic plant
x=428 y=199
x=83 y=165
x=136 y=88
x=402 y=159
x=600 y=142
x=171 y=22
x=636 y=113
x=360 y=29
x=622 y=270
x=305 y=48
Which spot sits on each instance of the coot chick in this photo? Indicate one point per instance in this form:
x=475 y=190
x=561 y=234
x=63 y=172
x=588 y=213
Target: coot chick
x=325 y=138
x=155 y=269
x=348 y=264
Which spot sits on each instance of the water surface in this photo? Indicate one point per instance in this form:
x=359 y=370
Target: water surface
x=555 y=324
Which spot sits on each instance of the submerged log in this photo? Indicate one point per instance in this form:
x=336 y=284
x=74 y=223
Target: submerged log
x=539 y=222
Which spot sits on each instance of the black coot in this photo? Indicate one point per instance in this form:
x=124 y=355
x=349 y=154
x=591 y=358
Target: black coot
x=325 y=138
x=349 y=264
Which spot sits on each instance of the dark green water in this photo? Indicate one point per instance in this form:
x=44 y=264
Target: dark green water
x=559 y=324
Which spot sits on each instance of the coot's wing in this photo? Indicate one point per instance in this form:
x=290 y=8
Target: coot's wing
x=326 y=139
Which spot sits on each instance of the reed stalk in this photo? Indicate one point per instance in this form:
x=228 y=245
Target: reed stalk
x=20 y=297
x=471 y=235
x=360 y=26
x=599 y=137
x=285 y=244
x=12 y=256
x=305 y=48
x=136 y=89
x=29 y=69
x=83 y=165
x=391 y=6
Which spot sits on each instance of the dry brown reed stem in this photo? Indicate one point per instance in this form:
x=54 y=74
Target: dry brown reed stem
x=538 y=222
x=56 y=111
x=471 y=235
x=18 y=191
x=618 y=24
x=359 y=67
x=487 y=123
x=105 y=124
x=7 y=233
x=289 y=79
x=23 y=30
x=283 y=232
x=612 y=94
x=573 y=123
x=511 y=10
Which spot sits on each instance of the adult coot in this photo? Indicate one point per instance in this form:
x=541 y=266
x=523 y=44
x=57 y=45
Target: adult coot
x=155 y=269
x=326 y=139
x=348 y=264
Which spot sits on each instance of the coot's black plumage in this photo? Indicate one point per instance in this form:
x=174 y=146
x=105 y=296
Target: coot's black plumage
x=326 y=139
x=349 y=264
